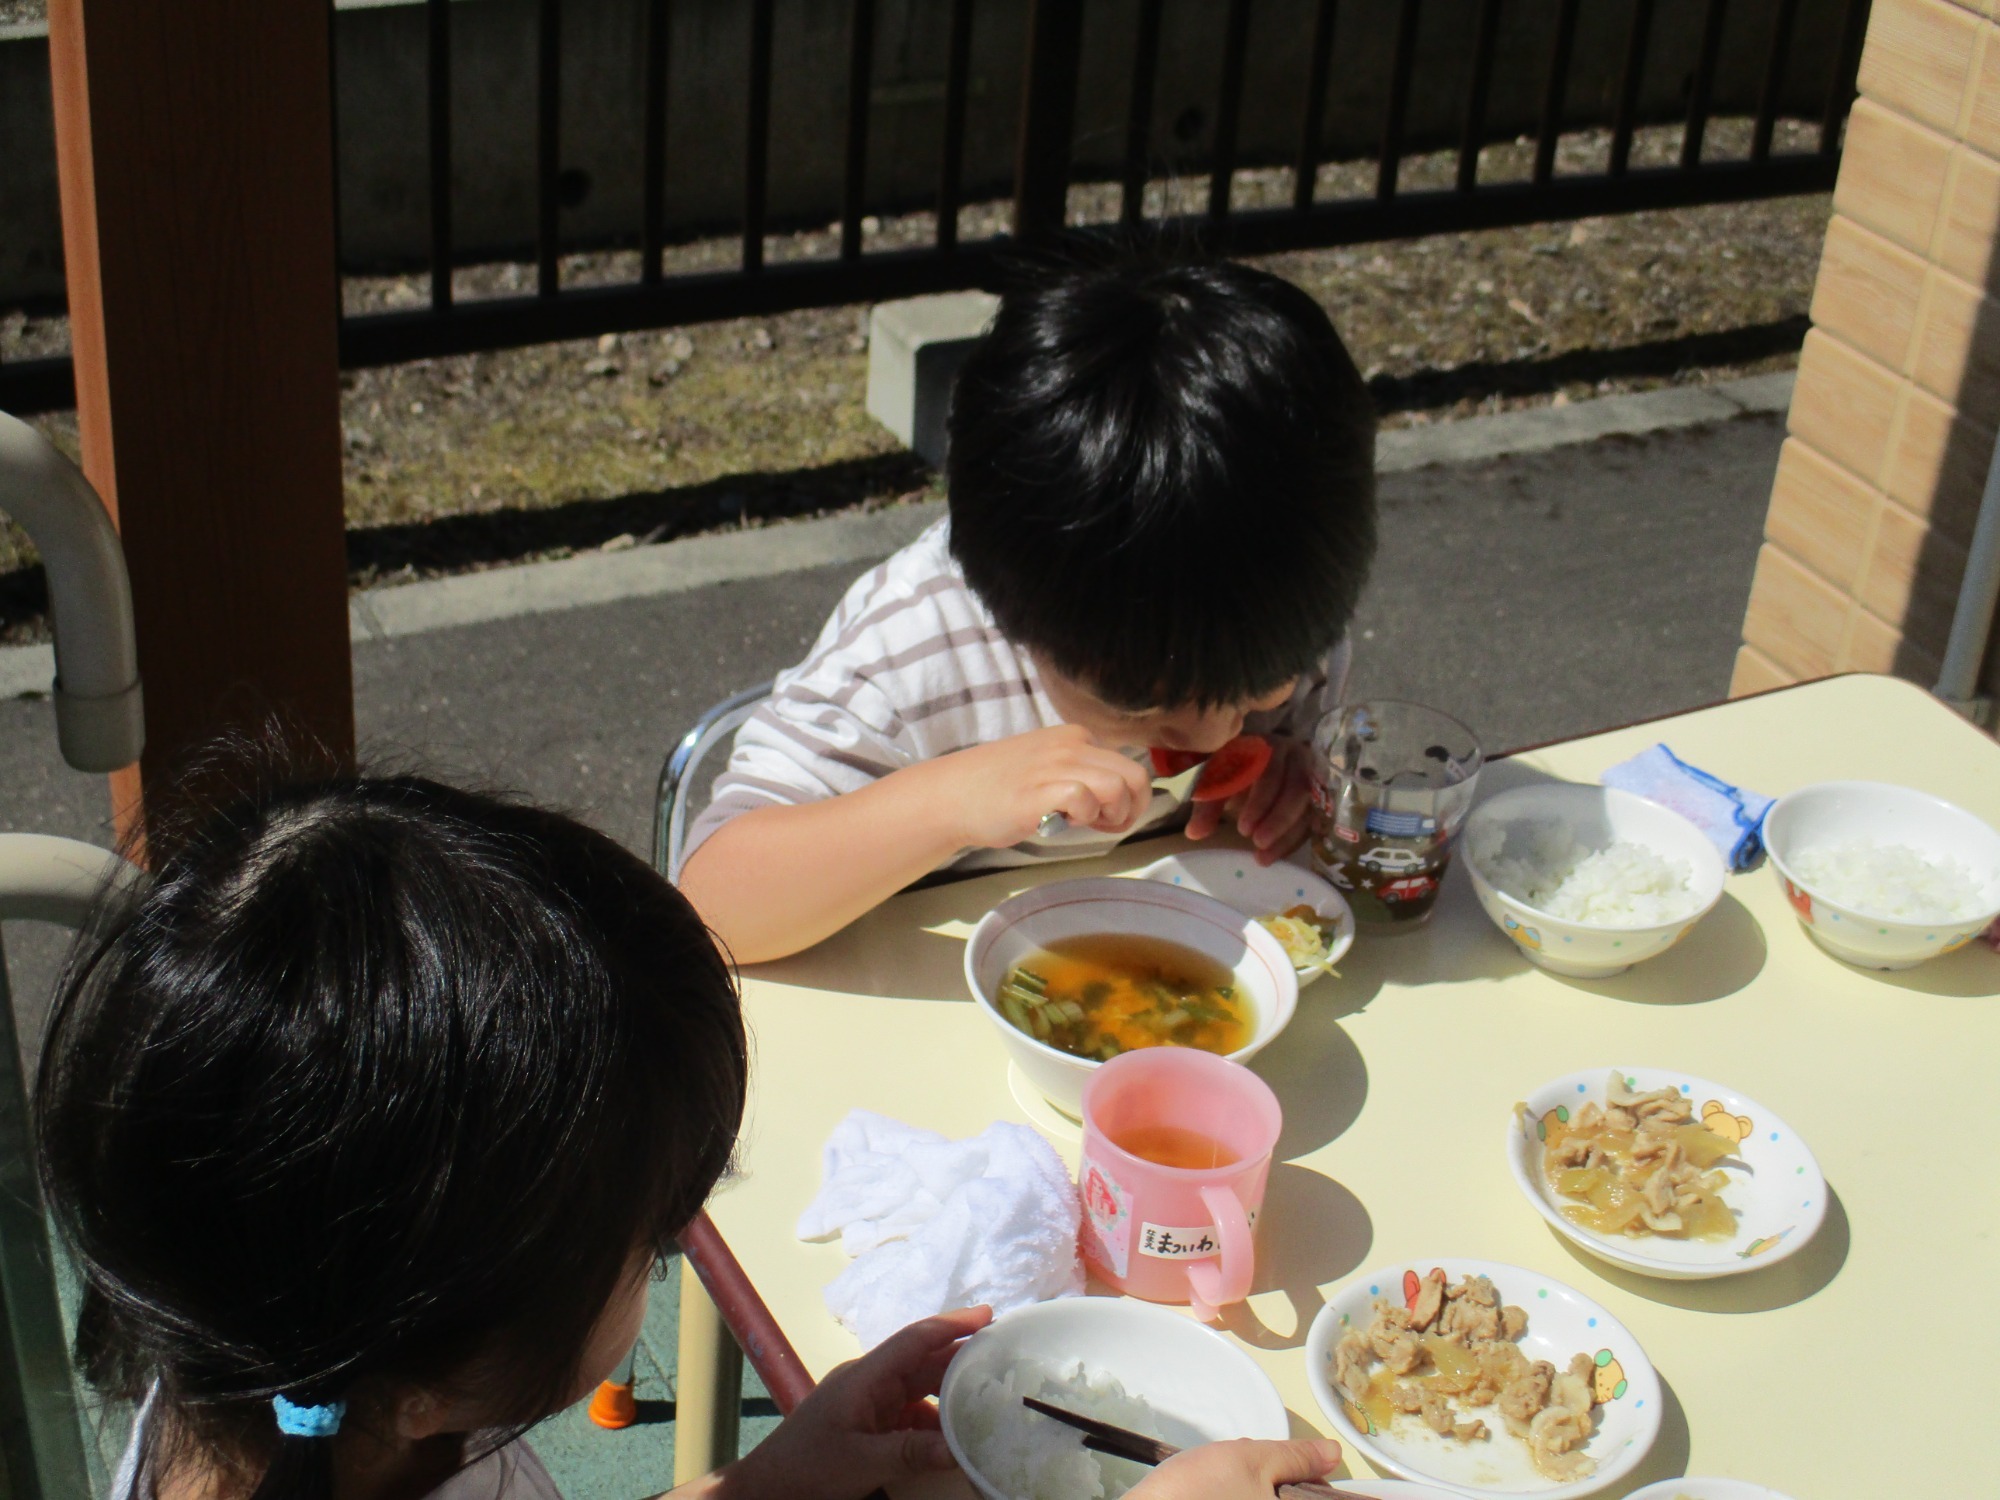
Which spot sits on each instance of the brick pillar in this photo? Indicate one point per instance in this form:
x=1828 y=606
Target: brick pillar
x=1898 y=396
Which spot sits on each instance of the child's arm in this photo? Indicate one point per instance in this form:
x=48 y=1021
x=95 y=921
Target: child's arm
x=777 y=879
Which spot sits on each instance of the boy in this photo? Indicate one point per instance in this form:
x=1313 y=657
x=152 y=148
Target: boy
x=1161 y=515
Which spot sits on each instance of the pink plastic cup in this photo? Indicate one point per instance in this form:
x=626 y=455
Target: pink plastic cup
x=1175 y=1233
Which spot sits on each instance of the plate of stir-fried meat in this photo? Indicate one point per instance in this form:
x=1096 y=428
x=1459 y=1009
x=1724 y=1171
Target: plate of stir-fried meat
x=1483 y=1379
x=1666 y=1173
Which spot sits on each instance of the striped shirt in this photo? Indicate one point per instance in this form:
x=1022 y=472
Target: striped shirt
x=911 y=667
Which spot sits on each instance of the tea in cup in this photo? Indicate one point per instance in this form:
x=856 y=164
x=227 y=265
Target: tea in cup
x=1391 y=783
x=1176 y=1150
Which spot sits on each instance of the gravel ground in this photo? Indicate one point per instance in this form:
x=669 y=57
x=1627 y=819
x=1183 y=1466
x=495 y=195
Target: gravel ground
x=481 y=460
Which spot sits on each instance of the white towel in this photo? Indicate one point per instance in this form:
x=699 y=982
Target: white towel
x=937 y=1224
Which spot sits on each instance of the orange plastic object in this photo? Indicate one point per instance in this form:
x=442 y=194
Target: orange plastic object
x=613 y=1407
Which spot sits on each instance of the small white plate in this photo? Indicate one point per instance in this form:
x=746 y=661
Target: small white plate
x=1694 y=1488
x=1233 y=877
x=1562 y=1323
x=1775 y=1186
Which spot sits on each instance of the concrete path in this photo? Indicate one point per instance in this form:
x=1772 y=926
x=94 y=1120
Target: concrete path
x=1541 y=574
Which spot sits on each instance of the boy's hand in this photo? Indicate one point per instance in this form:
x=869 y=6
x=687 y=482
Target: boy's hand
x=1271 y=813
x=999 y=793
x=1238 y=1470
x=867 y=1426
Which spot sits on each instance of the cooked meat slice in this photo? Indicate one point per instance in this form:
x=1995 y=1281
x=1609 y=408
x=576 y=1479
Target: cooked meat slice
x=1437 y=1415
x=1351 y=1358
x=1513 y=1322
x=1430 y=1298
x=1407 y=1397
x=1400 y=1351
x=1526 y=1396
x=1467 y=1432
x=1553 y=1438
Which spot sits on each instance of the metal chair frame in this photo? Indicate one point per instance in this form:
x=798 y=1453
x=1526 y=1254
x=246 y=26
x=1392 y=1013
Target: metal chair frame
x=677 y=775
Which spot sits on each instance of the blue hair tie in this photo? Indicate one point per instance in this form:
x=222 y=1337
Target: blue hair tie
x=308 y=1421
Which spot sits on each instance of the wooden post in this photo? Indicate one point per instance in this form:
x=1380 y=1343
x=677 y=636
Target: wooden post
x=195 y=152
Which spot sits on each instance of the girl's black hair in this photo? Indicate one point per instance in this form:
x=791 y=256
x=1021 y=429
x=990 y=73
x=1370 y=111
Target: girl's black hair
x=378 y=1078
x=1162 y=475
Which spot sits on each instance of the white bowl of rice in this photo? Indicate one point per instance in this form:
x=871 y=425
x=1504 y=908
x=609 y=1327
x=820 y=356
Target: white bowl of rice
x=1129 y=1363
x=1589 y=880
x=1883 y=876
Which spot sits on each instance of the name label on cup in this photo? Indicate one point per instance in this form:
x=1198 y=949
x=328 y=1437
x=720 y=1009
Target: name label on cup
x=1194 y=1242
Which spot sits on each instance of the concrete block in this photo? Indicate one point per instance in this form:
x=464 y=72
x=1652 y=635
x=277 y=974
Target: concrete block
x=1821 y=514
x=915 y=348
x=1917 y=58
x=1796 y=619
x=1845 y=404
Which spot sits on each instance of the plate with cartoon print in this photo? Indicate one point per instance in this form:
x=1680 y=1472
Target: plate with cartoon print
x=1773 y=1185
x=1561 y=1324
x=1233 y=877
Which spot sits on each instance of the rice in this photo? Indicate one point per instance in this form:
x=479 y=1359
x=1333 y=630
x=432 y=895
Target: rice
x=1028 y=1456
x=1540 y=864
x=1891 y=880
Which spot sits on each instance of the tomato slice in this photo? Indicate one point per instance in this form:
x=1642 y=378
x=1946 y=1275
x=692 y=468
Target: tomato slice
x=1172 y=762
x=1232 y=769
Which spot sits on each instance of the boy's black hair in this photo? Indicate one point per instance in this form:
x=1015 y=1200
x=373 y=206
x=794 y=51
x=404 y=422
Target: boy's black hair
x=1162 y=477
x=378 y=1078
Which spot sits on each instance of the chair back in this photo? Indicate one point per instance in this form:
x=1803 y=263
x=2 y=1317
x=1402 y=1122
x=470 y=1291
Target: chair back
x=678 y=775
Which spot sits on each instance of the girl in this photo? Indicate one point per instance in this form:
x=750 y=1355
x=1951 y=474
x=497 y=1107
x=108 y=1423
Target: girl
x=365 y=1124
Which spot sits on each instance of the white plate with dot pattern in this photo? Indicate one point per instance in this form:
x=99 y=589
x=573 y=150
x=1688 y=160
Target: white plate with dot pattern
x=1775 y=1187
x=1562 y=1323
x=1233 y=877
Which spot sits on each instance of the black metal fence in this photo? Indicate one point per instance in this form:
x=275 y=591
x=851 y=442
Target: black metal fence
x=1045 y=158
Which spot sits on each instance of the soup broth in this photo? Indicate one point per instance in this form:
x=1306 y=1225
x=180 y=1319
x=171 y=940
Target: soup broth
x=1104 y=994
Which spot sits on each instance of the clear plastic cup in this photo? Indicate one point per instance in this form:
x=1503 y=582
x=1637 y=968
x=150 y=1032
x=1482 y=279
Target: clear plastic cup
x=1392 y=782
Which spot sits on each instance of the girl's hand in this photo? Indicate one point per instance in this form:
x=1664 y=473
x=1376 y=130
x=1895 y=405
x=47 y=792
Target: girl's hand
x=1238 y=1470
x=1272 y=812
x=866 y=1427
x=996 y=794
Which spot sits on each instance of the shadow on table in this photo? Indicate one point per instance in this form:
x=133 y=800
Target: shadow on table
x=1312 y=1231
x=1320 y=1078
x=1671 y=1449
x=1972 y=973
x=1723 y=952
x=1783 y=1285
x=922 y=965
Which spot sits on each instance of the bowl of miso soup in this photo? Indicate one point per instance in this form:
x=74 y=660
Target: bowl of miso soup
x=1077 y=971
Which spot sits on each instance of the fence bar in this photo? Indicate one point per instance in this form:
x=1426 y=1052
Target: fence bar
x=757 y=136
x=1228 y=110
x=1305 y=174
x=45 y=384
x=1399 y=99
x=1774 y=75
x=653 y=227
x=1484 y=37
x=1846 y=64
x=548 y=140
x=860 y=67
x=437 y=66
x=1553 y=89
x=1628 y=88
x=957 y=73
x=1048 y=117
x=1139 y=114
x=1704 y=82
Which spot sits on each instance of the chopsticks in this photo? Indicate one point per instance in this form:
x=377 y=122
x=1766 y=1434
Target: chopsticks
x=1122 y=1442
